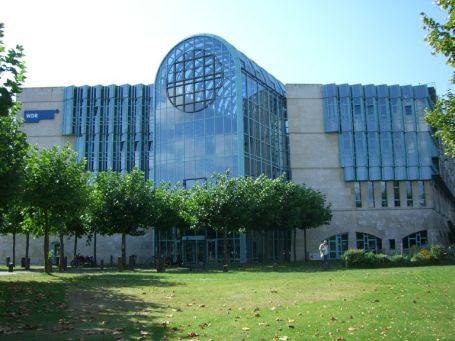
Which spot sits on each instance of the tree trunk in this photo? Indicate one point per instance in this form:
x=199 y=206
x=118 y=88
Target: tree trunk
x=304 y=244
x=263 y=246
x=61 y=253
x=225 y=248
x=47 y=268
x=14 y=248
x=94 y=248
x=75 y=247
x=124 y=249
x=27 y=244
x=294 y=246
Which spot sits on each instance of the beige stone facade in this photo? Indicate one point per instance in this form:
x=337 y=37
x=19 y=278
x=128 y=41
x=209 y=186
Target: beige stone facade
x=315 y=162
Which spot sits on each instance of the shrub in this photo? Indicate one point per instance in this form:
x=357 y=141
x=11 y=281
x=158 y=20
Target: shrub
x=437 y=252
x=398 y=259
x=353 y=257
x=422 y=256
x=381 y=258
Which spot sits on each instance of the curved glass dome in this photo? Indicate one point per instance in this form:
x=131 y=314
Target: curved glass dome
x=205 y=92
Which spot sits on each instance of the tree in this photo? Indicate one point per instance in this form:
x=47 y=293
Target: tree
x=267 y=205
x=314 y=212
x=174 y=211
x=11 y=221
x=13 y=144
x=172 y=206
x=224 y=205
x=126 y=204
x=299 y=207
x=55 y=188
x=441 y=36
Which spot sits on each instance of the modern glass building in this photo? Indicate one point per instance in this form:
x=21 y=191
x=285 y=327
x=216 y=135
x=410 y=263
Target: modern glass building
x=211 y=110
x=217 y=110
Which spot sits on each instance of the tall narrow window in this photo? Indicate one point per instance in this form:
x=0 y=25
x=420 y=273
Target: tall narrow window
x=409 y=200
x=396 y=193
x=421 y=186
x=370 y=194
x=408 y=110
x=358 y=195
x=383 y=194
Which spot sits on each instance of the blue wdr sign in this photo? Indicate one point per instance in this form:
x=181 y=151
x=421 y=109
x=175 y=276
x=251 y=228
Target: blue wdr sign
x=34 y=116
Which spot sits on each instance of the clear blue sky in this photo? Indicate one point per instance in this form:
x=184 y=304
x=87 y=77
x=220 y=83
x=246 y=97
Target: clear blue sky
x=299 y=41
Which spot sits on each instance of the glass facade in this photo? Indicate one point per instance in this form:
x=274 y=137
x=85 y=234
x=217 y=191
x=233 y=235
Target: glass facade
x=216 y=110
x=211 y=109
x=383 y=135
x=111 y=125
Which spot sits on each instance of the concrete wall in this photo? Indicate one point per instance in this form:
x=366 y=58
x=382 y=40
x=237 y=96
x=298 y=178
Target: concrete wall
x=45 y=133
x=107 y=246
x=314 y=160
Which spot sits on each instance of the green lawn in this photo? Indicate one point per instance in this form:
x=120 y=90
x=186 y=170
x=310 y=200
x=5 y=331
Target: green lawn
x=296 y=302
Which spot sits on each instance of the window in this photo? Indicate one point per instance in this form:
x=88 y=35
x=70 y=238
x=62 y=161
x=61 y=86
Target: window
x=396 y=193
x=392 y=244
x=193 y=80
x=408 y=110
x=358 y=195
x=421 y=187
x=383 y=194
x=368 y=242
x=338 y=244
x=409 y=200
x=415 y=240
x=370 y=194
x=357 y=109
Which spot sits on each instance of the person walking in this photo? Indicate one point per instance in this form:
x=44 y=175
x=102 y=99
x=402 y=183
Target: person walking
x=324 y=253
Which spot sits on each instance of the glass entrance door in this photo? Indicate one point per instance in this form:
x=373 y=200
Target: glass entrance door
x=194 y=249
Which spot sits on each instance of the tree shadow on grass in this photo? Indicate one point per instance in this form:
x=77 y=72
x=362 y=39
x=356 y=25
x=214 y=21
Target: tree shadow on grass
x=309 y=266
x=102 y=306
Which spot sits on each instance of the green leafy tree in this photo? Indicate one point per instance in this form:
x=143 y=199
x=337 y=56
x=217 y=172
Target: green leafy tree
x=441 y=36
x=11 y=222
x=224 y=205
x=13 y=144
x=55 y=188
x=313 y=212
x=266 y=206
x=126 y=204
x=173 y=207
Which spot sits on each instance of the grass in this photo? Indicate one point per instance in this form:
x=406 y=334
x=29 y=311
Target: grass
x=296 y=302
